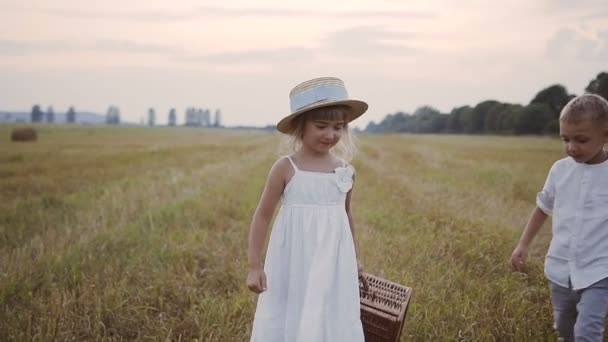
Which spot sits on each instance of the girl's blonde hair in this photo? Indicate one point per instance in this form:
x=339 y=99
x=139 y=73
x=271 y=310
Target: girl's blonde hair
x=346 y=147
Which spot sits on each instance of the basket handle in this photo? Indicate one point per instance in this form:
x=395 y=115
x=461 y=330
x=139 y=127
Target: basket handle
x=365 y=287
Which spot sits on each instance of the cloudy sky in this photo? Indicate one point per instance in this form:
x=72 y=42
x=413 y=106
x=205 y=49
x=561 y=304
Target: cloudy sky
x=244 y=56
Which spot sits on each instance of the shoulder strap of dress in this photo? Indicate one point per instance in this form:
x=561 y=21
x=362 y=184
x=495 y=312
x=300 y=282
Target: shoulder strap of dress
x=292 y=163
x=344 y=163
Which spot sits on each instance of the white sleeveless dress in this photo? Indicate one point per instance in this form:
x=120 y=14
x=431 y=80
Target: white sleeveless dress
x=311 y=266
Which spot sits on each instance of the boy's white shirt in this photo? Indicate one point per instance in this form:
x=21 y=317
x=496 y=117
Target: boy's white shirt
x=576 y=195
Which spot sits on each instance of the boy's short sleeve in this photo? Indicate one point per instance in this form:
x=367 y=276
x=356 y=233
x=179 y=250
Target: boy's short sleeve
x=545 y=198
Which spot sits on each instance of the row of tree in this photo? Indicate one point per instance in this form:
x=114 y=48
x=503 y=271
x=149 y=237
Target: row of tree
x=202 y=118
x=113 y=116
x=540 y=116
x=193 y=117
x=39 y=116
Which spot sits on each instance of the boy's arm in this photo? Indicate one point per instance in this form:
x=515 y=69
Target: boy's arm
x=544 y=207
x=520 y=254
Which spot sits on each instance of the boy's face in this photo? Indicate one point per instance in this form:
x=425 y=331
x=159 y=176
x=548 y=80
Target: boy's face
x=584 y=141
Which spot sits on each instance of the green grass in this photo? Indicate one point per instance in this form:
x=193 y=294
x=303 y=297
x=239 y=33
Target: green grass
x=141 y=234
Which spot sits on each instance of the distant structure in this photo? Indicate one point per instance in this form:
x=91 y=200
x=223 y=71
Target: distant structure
x=198 y=117
x=206 y=118
x=191 y=118
x=70 y=116
x=172 y=120
x=36 y=114
x=50 y=115
x=151 y=117
x=195 y=117
x=218 y=118
x=113 y=116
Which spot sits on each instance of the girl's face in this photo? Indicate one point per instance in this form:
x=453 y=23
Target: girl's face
x=584 y=141
x=321 y=135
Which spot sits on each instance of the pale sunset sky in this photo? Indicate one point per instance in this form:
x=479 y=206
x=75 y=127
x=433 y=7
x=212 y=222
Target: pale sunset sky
x=244 y=56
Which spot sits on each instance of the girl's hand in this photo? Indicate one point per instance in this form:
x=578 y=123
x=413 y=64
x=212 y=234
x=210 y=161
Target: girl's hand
x=518 y=258
x=256 y=280
x=362 y=276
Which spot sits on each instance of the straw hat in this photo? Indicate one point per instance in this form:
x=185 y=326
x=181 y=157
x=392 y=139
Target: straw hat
x=317 y=93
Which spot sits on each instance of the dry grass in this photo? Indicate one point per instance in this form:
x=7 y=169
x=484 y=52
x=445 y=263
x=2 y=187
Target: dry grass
x=140 y=234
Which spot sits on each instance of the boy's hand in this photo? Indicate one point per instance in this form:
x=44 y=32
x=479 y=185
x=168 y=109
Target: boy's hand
x=256 y=280
x=518 y=258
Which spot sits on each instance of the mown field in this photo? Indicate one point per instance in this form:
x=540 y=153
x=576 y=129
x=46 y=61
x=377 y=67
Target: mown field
x=141 y=234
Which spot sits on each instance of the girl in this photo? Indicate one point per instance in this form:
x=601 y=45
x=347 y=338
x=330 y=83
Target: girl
x=308 y=286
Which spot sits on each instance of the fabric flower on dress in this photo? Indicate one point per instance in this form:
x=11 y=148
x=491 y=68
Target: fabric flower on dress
x=344 y=177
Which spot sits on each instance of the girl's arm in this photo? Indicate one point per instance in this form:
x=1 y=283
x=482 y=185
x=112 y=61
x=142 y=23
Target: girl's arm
x=351 y=222
x=275 y=183
x=520 y=254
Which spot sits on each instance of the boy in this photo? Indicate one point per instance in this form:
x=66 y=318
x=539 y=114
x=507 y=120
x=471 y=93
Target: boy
x=576 y=195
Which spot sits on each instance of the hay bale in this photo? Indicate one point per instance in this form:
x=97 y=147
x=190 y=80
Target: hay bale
x=24 y=134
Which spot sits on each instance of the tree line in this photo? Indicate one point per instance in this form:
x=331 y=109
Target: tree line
x=540 y=116
x=37 y=115
x=193 y=117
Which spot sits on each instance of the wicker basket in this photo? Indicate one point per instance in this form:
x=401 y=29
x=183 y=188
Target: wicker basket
x=383 y=308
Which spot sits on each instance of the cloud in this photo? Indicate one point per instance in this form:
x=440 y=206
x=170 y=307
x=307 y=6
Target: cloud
x=134 y=47
x=368 y=40
x=575 y=45
x=260 y=56
x=571 y=6
x=595 y=15
x=272 y=12
x=213 y=11
x=568 y=11
x=146 y=16
x=16 y=47
x=354 y=43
